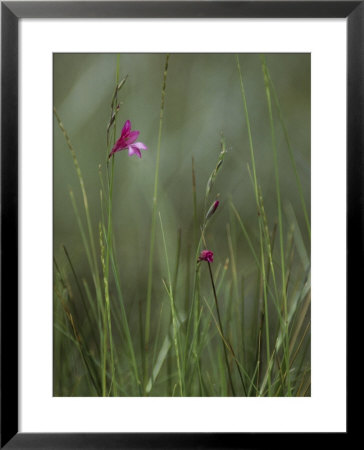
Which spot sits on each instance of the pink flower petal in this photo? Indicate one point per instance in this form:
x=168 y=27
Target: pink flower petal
x=140 y=145
x=131 y=137
x=126 y=128
x=119 y=145
x=133 y=150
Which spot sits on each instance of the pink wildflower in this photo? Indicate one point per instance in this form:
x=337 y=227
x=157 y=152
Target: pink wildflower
x=206 y=255
x=127 y=141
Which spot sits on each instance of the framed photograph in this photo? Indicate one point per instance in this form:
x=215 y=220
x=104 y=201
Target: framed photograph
x=162 y=167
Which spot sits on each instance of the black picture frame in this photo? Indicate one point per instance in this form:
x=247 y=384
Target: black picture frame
x=11 y=12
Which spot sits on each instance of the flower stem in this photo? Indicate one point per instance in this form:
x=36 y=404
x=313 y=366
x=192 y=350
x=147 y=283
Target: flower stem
x=106 y=278
x=221 y=329
x=107 y=318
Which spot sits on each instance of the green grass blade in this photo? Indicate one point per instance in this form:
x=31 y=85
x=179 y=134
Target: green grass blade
x=154 y=212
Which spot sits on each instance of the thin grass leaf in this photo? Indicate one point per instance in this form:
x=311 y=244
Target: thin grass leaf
x=154 y=212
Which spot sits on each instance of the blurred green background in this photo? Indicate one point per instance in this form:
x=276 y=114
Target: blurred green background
x=203 y=100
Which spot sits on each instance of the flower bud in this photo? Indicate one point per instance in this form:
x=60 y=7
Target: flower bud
x=212 y=209
x=206 y=255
